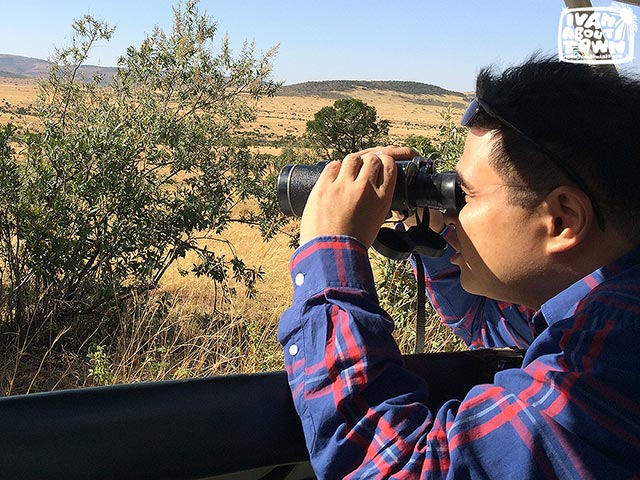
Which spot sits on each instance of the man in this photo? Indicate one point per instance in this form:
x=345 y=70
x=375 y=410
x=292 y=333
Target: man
x=550 y=222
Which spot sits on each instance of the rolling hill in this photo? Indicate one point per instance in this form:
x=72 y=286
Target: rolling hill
x=17 y=66
x=338 y=86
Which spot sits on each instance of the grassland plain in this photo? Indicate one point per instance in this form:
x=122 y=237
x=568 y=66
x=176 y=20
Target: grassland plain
x=183 y=337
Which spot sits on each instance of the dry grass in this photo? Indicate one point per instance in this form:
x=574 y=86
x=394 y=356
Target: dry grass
x=283 y=115
x=273 y=257
x=17 y=94
x=164 y=336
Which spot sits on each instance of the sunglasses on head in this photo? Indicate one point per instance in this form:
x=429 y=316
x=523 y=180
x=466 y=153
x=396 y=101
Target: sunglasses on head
x=479 y=107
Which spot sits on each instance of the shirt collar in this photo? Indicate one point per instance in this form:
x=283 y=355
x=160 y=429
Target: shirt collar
x=565 y=303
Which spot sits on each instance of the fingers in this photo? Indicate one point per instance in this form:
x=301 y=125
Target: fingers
x=372 y=170
x=329 y=173
x=350 y=198
x=390 y=172
x=353 y=163
x=351 y=166
x=398 y=153
x=379 y=170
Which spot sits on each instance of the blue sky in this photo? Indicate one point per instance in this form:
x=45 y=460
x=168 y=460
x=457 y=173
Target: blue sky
x=441 y=42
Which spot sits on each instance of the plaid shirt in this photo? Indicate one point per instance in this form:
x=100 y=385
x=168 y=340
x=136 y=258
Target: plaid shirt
x=571 y=411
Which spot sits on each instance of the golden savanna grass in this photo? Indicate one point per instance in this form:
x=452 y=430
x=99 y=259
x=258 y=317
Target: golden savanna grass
x=15 y=95
x=284 y=115
x=177 y=334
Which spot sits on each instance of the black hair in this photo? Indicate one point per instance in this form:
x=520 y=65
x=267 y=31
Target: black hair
x=584 y=115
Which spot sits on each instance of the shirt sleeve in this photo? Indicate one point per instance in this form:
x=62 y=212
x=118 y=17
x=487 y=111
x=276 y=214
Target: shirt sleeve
x=481 y=322
x=365 y=416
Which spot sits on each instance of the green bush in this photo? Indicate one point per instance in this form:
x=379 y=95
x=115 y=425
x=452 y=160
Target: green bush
x=120 y=181
x=348 y=126
x=421 y=144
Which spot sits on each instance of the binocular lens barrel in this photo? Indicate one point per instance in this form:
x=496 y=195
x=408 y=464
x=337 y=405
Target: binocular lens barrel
x=414 y=188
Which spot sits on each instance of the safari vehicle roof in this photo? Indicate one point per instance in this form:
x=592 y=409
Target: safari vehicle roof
x=235 y=427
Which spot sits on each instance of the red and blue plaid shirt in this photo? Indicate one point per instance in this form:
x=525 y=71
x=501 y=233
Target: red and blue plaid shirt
x=571 y=411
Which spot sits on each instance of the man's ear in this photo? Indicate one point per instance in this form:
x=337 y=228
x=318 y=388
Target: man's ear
x=569 y=217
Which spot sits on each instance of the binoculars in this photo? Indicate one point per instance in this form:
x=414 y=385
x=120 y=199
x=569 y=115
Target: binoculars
x=417 y=186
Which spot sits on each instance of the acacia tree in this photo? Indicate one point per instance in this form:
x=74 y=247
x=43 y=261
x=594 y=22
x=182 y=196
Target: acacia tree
x=347 y=126
x=120 y=181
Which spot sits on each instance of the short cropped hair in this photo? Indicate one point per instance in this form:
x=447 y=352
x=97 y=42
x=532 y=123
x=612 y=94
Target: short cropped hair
x=587 y=116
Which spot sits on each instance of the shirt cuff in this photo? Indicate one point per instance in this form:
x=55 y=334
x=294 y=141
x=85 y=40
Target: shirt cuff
x=330 y=262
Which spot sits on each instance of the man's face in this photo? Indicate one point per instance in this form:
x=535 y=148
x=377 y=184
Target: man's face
x=500 y=245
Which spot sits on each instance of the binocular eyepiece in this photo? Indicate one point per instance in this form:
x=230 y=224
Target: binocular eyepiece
x=417 y=185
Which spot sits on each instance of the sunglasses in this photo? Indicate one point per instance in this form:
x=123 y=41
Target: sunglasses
x=479 y=107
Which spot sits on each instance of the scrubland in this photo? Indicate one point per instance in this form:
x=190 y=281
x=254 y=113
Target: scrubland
x=190 y=328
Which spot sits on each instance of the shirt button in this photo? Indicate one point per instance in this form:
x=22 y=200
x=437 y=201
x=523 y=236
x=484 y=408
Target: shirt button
x=293 y=350
x=299 y=279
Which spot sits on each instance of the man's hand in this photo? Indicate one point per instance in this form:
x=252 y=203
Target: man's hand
x=436 y=219
x=351 y=198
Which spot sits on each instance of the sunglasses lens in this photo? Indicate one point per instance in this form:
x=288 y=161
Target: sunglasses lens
x=469 y=115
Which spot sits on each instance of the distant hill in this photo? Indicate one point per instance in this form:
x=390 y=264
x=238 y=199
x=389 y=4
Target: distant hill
x=11 y=75
x=17 y=66
x=413 y=92
x=338 y=86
